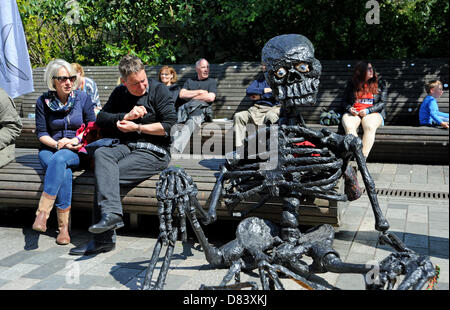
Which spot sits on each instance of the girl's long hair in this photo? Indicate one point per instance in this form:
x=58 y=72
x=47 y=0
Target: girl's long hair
x=359 y=79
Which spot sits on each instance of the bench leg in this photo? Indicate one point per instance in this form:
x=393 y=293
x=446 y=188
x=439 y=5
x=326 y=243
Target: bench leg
x=134 y=220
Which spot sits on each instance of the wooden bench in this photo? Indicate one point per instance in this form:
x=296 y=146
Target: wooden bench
x=21 y=186
x=401 y=140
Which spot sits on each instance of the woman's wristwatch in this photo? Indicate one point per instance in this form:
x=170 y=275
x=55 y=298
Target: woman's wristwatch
x=139 y=129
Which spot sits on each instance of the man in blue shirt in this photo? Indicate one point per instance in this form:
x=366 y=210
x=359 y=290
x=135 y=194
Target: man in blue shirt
x=429 y=113
x=265 y=109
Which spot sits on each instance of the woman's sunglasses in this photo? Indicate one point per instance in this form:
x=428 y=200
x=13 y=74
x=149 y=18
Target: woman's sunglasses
x=65 y=78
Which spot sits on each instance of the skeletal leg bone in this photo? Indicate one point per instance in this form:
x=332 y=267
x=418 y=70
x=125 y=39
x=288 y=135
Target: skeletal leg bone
x=159 y=285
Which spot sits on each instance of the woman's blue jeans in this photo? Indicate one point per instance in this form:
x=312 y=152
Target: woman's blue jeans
x=58 y=167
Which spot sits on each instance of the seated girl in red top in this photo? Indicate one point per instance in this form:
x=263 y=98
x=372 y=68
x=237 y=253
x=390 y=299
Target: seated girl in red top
x=364 y=100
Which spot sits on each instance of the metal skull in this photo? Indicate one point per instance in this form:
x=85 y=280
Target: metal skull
x=291 y=69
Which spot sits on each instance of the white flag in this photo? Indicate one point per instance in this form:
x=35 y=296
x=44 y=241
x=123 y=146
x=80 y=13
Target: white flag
x=16 y=76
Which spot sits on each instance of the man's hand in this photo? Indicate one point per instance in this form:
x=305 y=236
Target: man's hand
x=135 y=113
x=127 y=126
x=444 y=125
x=200 y=94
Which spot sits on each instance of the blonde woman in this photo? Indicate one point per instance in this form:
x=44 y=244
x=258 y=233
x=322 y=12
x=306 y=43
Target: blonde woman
x=59 y=113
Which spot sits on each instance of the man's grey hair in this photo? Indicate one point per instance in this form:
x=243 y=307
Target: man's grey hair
x=52 y=70
x=197 y=63
x=130 y=64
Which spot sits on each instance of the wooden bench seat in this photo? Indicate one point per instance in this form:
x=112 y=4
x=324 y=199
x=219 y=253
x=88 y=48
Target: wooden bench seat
x=21 y=186
x=401 y=140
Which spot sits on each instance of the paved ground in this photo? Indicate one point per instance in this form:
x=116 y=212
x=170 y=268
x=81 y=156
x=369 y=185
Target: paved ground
x=32 y=261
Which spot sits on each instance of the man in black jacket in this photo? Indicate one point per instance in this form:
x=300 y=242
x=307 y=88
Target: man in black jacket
x=140 y=113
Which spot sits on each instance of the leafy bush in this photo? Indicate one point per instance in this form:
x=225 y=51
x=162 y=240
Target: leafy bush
x=100 y=32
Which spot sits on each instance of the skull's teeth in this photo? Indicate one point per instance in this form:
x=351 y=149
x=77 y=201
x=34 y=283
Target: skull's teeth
x=302 y=89
x=289 y=91
x=281 y=93
x=308 y=85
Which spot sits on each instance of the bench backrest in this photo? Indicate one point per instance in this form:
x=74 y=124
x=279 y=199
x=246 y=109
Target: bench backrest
x=406 y=79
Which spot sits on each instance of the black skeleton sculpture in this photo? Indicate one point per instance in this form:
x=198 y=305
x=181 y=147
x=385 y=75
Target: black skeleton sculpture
x=300 y=171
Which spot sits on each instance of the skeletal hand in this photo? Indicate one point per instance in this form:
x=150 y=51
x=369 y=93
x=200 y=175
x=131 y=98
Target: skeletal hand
x=173 y=191
x=416 y=269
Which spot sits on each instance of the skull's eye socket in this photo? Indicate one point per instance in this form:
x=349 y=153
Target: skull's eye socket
x=302 y=67
x=281 y=72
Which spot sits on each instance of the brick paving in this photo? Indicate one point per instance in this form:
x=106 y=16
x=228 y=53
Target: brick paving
x=33 y=261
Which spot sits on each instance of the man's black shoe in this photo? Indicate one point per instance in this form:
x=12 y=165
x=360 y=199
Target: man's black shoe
x=109 y=221
x=92 y=247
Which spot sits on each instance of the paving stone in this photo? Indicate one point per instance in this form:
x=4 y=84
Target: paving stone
x=381 y=253
x=413 y=240
x=16 y=258
x=439 y=225
x=129 y=256
x=435 y=216
x=394 y=213
x=124 y=275
x=347 y=235
x=18 y=284
x=403 y=169
x=401 y=206
x=370 y=235
x=362 y=247
x=118 y=278
x=397 y=224
x=442 y=286
x=385 y=178
x=417 y=228
x=439 y=248
x=41 y=258
x=83 y=282
x=439 y=233
x=420 y=250
x=45 y=270
x=419 y=174
x=102 y=269
x=3 y=282
x=53 y=282
x=17 y=271
x=351 y=282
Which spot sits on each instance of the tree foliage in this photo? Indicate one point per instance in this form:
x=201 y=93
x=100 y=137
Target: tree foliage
x=100 y=32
